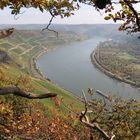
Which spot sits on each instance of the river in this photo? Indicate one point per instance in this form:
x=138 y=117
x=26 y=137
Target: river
x=71 y=68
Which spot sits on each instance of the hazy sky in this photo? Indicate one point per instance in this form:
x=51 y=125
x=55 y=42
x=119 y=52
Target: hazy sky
x=86 y=15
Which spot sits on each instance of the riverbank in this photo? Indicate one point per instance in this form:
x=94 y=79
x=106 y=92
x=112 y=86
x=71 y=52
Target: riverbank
x=96 y=62
x=36 y=72
x=33 y=68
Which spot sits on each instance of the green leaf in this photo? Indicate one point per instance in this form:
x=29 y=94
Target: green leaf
x=107 y=17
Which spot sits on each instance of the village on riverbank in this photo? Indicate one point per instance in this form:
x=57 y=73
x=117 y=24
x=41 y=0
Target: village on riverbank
x=119 y=61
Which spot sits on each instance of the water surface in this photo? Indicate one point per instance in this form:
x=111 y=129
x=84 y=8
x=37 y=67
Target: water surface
x=71 y=68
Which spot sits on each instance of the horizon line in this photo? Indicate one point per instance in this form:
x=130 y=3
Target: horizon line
x=59 y=24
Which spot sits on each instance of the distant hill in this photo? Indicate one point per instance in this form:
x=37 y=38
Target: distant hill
x=86 y=30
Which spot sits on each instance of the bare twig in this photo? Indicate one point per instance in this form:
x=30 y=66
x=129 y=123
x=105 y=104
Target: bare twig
x=47 y=28
x=17 y=91
x=83 y=113
x=84 y=119
x=86 y=103
x=97 y=127
x=15 y=16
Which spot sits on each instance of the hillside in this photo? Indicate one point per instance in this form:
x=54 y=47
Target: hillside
x=23 y=44
x=85 y=30
x=29 y=119
x=21 y=47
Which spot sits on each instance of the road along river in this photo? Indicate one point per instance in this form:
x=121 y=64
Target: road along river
x=71 y=68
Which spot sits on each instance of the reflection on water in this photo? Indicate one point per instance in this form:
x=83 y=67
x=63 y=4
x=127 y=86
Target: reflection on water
x=71 y=68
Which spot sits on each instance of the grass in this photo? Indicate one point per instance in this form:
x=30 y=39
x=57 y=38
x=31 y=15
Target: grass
x=126 y=56
x=137 y=66
x=43 y=86
x=18 y=50
x=5 y=45
x=67 y=96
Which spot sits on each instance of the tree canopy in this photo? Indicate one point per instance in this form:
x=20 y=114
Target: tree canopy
x=128 y=12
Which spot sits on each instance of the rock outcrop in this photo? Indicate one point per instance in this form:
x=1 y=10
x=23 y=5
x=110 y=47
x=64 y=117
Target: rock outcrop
x=5 y=58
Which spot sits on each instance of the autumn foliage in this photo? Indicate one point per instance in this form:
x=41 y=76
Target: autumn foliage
x=21 y=118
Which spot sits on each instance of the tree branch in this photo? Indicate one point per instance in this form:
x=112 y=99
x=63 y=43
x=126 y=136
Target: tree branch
x=98 y=128
x=134 y=12
x=85 y=120
x=83 y=113
x=17 y=91
x=47 y=28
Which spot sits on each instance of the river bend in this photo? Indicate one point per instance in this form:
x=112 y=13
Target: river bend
x=71 y=68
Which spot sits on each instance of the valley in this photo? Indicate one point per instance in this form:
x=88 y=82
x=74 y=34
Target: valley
x=28 y=45
x=39 y=62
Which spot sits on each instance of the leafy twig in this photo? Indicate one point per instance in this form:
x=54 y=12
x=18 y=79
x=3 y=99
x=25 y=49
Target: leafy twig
x=134 y=12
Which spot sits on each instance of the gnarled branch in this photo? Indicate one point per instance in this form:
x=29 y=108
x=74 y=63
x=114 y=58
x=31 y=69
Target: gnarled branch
x=93 y=125
x=99 y=129
x=17 y=91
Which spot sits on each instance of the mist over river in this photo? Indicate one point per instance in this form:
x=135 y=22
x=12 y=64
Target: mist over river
x=70 y=67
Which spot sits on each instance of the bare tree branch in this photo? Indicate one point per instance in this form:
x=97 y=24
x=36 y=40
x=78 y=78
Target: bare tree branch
x=47 y=28
x=85 y=120
x=17 y=91
x=83 y=114
x=97 y=127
